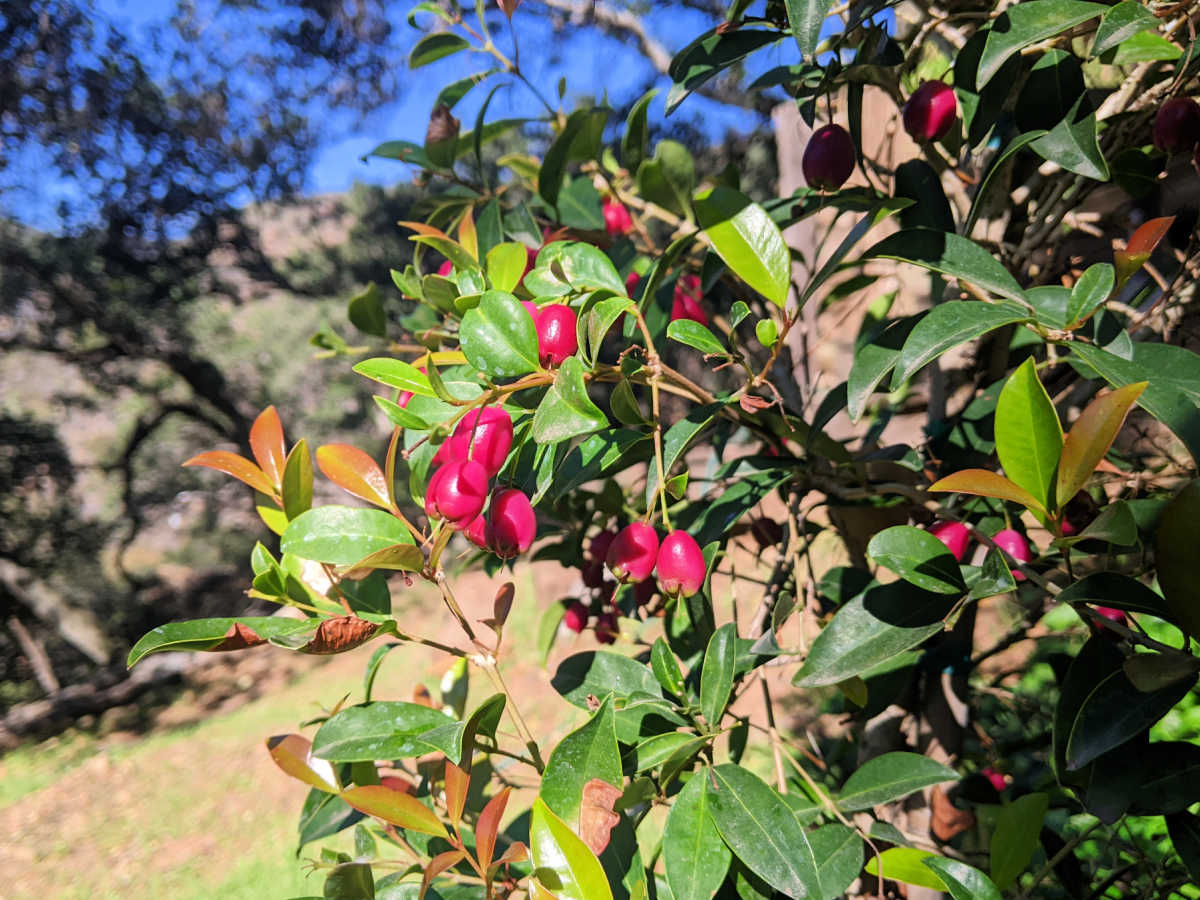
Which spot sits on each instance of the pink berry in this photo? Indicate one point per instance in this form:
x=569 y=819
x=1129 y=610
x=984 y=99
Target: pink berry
x=930 y=111
x=997 y=779
x=828 y=158
x=484 y=435
x=686 y=303
x=617 y=220
x=1014 y=544
x=431 y=490
x=576 y=616
x=631 y=282
x=446 y=269
x=460 y=492
x=405 y=396
x=476 y=532
x=1113 y=615
x=532 y=309
x=1177 y=125
x=955 y=535
x=557 y=338
x=681 y=566
x=633 y=553
x=607 y=628
x=511 y=523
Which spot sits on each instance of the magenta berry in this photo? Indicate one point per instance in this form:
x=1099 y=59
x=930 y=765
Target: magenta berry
x=617 y=220
x=446 y=269
x=576 y=616
x=460 y=491
x=476 y=532
x=484 y=435
x=680 y=567
x=955 y=535
x=997 y=779
x=607 y=628
x=930 y=111
x=686 y=303
x=511 y=523
x=828 y=158
x=631 y=282
x=633 y=553
x=1177 y=125
x=557 y=338
x=1014 y=544
x=431 y=490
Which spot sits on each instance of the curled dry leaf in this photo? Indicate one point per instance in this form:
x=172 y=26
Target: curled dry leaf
x=339 y=635
x=238 y=637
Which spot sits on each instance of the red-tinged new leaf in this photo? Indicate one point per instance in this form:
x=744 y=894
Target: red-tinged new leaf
x=457 y=783
x=266 y=442
x=353 y=470
x=237 y=466
x=516 y=852
x=984 y=483
x=422 y=228
x=1141 y=245
x=437 y=866
x=467 y=235
x=488 y=826
x=1092 y=435
x=397 y=558
x=395 y=808
x=293 y=754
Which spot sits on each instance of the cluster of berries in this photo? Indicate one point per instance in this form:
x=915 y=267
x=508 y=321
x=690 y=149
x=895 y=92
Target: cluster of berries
x=461 y=485
x=631 y=555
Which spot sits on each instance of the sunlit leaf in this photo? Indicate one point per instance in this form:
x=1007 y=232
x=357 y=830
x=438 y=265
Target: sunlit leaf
x=1091 y=436
x=237 y=466
x=395 y=807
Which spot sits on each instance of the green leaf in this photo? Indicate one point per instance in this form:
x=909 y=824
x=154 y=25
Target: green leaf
x=579 y=206
x=599 y=319
x=762 y=832
x=716 y=678
x=676 y=441
x=1027 y=23
x=669 y=178
x=456 y=90
x=709 y=55
x=599 y=455
x=948 y=325
x=366 y=311
x=342 y=535
x=1118 y=591
x=873 y=359
x=1178 y=562
x=962 y=881
x=696 y=335
x=889 y=777
x=1115 y=524
x=1029 y=437
x=1073 y=143
x=806 y=18
x=395 y=807
x=1184 y=830
x=636 y=134
x=1148 y=672
x=767 y=332
x=906 y=864
x=748 y=241
x=882 y=622
x=498 y=336
x=839 y=851
x=1145 y=46
x=1015 y=837
x=951 y=255
x=666 y=667
x=378 y=730
x=322 y=815
x=554 y=164
x=1120 y=22
x=215 y=634
x=566 y=411
x=588 y=752
x=349 y=881
x=586 y=267
x=994 y=577
x=918 y=557
x=600 y=673
x=562 y=863
x=506 y=265
x=433 y=47
x=399 y=415
x=396 y=373
x=297 y=480
x=695 y=856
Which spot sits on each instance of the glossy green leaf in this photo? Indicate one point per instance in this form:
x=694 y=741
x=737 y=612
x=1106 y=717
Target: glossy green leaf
x=400 y=416
x=839 y=853
x=918 y=557
x=498 y=337
x=563 y=863
x=435 y=46
x=1027 y=23
x=889 y=777
x=716 y=677
x=322 y=815
x=906 y=864
x=1029 y=437
x=995 y=577
x=395 y=807
x=666 y=667
x=709 y=55
x=658 y=749
x=874 y=357
x=1074 y=143
x=1115 y=524
x=554 y=164
x=342 y=535
x=676 y=440
x=767 y=332
x=951 y=255
x=586 y=267
x=747 y=240
x=870 y=629
x=696 y=335
x=378 y=730
x=761 y=831
x=669 y=178
x=365 y=311
x=624 y=406
x=1090 y=437
x=634 y=138
x=1090 y=291
x=566 y=411
x=1015 y=837
x=588 y=752
x=600 y=673
x=297 y=487
x=506 y=265
x=397 y=374
x=948 y=325
x=215 y=634
x=1116 y=590
x=984 y=483
x=1120 y=22
x=695 y=856
x=597 y=322
x=806 y=18
x=1143 y=47
x=349 y=881
x=963 y=882
x=599 y=455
